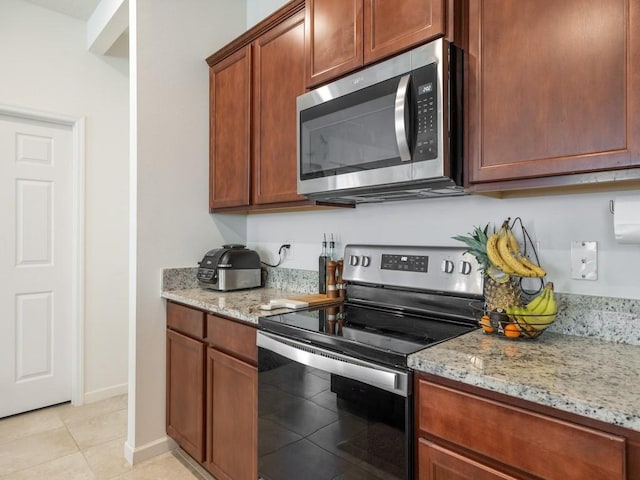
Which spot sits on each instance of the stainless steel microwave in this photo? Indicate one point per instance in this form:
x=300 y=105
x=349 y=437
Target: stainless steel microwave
x=389 y=132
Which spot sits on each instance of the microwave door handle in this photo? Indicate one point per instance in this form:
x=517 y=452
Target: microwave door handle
x=399 y=116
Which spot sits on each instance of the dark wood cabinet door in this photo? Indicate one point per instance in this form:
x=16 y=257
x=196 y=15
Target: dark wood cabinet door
x=230 y=119
x=185 y=393
x=438 y=463
x=540 y=445
x=391 y=26
x=278 y=78
x=334 y=40
x=232 y=417
x=553 y=88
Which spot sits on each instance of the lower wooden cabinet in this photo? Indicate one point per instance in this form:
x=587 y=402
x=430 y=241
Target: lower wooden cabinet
x=466 y=433
x=212 y=391
x=439 y=463
x=232 y=419
x=185 y=393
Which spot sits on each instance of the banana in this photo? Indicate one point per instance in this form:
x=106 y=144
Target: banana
x=508 y=258
x=541 y=307
x=513 y=243
x=533 y=304
x=521 y=318
x=532 y=266
x=514 y=247
x=545 y=311
x=537 y=315
x=494 y=256
x=510 y=252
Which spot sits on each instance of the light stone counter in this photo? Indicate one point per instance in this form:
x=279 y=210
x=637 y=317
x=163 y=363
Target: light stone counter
x=590 y=377
x=241 y=304
x=181 y=285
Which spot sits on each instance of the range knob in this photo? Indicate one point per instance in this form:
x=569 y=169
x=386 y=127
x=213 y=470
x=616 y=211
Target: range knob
x=354 y=261
x=465 y=268
x=366 y=261
x=448 y=266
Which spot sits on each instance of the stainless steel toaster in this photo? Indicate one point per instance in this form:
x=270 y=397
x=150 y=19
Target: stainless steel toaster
x=232 y=267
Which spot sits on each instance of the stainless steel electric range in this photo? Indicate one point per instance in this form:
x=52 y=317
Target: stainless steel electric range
x=335 y=396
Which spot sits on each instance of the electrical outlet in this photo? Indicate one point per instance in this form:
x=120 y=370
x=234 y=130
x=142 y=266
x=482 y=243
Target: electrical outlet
x=289 y=252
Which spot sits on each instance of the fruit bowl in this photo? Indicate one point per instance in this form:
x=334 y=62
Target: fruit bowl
x=514 y=323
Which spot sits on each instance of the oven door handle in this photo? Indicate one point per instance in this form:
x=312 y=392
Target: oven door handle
x=375 y=375
x=399 y=118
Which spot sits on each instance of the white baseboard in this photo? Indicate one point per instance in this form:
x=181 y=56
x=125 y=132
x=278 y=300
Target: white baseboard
x=136 y=455
x=115 y=390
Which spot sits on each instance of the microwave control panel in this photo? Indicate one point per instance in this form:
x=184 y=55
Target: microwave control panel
x=425 y=86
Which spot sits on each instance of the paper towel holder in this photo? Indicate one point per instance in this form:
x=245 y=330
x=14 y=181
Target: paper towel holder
x=612 y=206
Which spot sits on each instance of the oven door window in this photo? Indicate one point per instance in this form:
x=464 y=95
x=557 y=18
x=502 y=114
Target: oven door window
x=351 y=133
x=315 y=425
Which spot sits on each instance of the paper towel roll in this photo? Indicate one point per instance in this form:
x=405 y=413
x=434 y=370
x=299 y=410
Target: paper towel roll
x=626 y=219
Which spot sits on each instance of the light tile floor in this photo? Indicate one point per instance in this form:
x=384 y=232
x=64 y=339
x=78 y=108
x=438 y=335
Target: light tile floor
x=81 y=443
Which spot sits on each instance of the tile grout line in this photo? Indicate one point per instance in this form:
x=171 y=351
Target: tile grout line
x=83 y=451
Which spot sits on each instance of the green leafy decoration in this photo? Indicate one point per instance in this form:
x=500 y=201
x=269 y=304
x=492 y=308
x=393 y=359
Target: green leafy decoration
x=477 y=243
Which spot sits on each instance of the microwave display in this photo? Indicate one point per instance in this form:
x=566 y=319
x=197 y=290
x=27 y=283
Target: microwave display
x=423 y=89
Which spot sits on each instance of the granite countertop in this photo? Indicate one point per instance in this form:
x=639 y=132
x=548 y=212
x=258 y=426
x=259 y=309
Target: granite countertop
x=240 y=304
x=587 y=376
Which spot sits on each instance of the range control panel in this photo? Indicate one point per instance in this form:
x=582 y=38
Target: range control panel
x=443 y=269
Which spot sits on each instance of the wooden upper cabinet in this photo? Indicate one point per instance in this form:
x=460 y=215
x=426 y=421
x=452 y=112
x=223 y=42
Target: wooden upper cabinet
x=343 y=35
x=278 y=78
x=391 y=26
x=334 y=39
x=552 y=88
x=230 y=118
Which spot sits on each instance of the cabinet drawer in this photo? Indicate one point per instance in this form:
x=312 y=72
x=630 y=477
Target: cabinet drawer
x=186 y=320
x=535 y=443
x=235 y=338
x=438 y=463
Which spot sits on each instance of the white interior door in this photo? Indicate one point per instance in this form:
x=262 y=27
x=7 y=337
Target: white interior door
x=36 y=205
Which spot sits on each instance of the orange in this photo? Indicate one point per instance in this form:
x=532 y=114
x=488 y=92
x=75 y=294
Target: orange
x=511 y=330
x=485 y=323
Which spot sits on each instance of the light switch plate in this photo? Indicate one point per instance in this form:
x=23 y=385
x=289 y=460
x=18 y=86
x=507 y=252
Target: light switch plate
x=584 y=260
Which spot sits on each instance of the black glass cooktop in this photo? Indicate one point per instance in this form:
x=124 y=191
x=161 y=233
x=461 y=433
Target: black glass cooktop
x=380 y=335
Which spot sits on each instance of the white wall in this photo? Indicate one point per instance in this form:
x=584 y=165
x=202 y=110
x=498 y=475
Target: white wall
x=45 y=66
x=170 y=117
x=553 y=220
x=260 y=9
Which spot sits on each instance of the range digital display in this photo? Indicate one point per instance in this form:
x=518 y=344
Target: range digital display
x=405 y=263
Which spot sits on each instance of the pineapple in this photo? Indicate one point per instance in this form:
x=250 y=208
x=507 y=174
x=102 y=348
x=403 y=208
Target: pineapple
x=501 y=295
x=500 y=290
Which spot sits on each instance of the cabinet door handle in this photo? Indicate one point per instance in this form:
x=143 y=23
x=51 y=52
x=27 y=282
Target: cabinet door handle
x=401 y=127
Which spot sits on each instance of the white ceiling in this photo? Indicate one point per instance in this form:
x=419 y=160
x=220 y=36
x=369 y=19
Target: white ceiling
x=81 y=9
